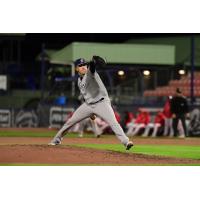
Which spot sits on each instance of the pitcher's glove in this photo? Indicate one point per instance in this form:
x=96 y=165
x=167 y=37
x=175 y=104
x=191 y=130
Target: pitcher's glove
x=98 y=61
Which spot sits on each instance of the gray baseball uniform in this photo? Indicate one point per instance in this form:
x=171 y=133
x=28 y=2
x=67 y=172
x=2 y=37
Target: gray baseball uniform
x=96 y=102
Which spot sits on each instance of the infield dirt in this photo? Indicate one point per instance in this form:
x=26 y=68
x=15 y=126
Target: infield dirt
x=36 y=151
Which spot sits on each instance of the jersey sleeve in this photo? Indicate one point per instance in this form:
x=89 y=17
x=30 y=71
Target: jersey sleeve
x=92 y=67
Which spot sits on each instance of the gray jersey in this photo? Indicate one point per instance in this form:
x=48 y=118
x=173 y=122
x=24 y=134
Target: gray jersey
x=92 y=88
x=96 y=102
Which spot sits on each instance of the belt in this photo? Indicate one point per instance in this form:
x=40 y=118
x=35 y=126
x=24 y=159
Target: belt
x=97 y=101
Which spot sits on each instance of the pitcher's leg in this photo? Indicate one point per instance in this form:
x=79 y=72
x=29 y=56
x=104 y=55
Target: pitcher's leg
x=81 y=113
x=105 y=111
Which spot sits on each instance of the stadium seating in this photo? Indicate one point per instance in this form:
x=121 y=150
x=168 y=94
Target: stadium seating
x=184 y=84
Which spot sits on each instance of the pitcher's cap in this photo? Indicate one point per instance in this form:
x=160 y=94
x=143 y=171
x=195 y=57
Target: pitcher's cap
x=80 y=62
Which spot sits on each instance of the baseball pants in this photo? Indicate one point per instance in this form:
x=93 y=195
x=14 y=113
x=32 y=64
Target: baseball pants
x=102 y=109
x=155 y=127
x=168 y=127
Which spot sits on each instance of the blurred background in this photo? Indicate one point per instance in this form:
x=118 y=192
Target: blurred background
x=38 y=81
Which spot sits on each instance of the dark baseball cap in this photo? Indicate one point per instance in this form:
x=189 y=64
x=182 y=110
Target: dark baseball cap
x=80 y=62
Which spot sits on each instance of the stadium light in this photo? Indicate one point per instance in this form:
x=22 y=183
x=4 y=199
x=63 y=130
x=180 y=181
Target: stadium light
x=121 y=73
x=181 y=71
x=146 y=72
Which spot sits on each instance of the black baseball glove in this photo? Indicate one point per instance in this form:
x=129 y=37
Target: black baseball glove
x=98 y=61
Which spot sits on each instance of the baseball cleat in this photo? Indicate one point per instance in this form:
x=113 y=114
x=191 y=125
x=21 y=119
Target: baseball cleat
x=129 y=145
x=55 y=142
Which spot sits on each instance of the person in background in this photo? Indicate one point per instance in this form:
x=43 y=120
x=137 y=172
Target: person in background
x=194 y=123
x=168 y=129
x=159 y=121
x=129 y=120
x=128 y=117
x=102 y=125
x=141 y=121
x=117 y=116
x=89 y=123
x=179 y=109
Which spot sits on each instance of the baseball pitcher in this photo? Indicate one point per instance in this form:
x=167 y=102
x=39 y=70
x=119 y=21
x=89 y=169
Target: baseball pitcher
x=96 y=101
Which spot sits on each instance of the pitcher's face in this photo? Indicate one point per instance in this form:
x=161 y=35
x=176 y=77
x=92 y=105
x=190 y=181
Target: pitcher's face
x=82 y=70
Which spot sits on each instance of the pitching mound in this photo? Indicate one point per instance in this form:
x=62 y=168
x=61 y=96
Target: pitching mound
x=43 y=154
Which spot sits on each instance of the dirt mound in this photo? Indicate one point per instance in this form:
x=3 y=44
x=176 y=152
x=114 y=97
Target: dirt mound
x=43 y=154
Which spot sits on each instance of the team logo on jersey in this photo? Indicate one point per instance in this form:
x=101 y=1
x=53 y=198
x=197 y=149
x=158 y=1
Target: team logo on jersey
x=81 y=86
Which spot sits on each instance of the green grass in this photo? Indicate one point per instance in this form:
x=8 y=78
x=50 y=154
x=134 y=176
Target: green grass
x=26 y=134
x=192 y=152
x=49 y=133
